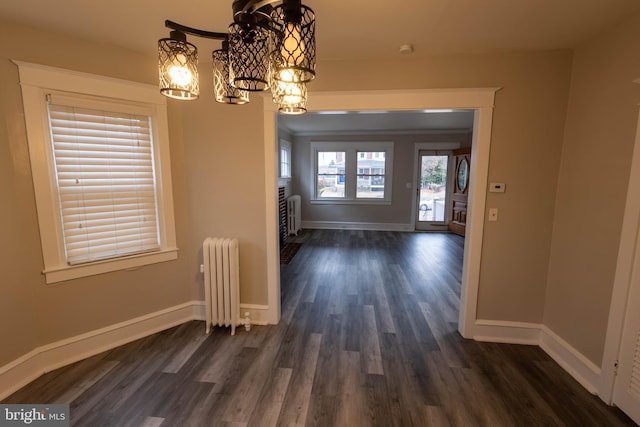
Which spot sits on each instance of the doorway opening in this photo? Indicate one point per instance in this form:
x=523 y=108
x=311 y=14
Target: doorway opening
x=480 y=101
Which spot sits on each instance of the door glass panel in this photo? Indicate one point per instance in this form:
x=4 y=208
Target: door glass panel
x=433 y=188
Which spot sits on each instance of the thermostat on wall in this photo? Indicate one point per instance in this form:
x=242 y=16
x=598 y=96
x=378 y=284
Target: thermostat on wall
x=497 y=187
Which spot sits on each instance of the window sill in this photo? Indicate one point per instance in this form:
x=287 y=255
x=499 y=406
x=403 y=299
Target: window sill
x=69 y=272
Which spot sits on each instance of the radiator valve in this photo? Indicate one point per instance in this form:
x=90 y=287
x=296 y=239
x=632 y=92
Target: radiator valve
x=247 y=321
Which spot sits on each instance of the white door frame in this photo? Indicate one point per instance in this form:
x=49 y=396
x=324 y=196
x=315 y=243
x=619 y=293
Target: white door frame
x=627 y=252
x=480 y=100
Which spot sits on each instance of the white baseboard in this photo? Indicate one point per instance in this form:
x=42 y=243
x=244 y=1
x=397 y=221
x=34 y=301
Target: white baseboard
x=370 y=226
x=571 y=360
x=507 y=332
x=575 y=363
x=259 y=313
x=44 y=359
x=30 y=366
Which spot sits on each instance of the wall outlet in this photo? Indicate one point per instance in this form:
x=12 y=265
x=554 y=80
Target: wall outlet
x=497 y=187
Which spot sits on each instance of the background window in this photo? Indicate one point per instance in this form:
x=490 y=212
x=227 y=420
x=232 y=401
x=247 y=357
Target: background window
x=285 y=159
x=371 y=173
x=330 y=180
x=352 y=172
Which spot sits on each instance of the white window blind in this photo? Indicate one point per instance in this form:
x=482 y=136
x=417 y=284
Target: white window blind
x=103 y=156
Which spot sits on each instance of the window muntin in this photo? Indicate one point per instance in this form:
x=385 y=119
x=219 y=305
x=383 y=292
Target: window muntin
x=352 y=172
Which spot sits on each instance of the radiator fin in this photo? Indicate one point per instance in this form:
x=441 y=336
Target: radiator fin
x=221 y=282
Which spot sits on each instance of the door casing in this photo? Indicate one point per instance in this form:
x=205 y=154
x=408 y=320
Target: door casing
x=622 y=282
x=478 y=100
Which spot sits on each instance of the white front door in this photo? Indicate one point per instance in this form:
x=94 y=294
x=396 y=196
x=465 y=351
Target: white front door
x=626 y=393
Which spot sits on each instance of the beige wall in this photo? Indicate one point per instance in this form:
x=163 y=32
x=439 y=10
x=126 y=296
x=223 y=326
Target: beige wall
x=218 y=172
x=218 y=187
x=224 y=152
x=33 y=314
x=398 y=212
x=525 y=154
x=596 y=160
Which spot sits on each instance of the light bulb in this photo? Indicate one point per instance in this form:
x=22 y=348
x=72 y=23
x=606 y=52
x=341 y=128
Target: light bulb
x=293 y=94
x=179 y=73
x=288 y=93
x=293 y=46
x=288 y=75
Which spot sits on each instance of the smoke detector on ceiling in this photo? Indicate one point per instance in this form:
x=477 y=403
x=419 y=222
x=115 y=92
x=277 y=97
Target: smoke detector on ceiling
x=406 y=49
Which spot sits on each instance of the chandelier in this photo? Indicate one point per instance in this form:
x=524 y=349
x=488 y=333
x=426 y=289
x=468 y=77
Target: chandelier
x=266 y=48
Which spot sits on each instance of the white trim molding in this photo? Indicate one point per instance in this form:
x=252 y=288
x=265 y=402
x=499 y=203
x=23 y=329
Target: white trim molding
x=480 y=100
x=259 y=314
x=30 y=366
x=507 y=332
x=627 y=254
x=571 y=360
x=344 y=225
x=46 y=358
x=38 y=81
x=271 y=167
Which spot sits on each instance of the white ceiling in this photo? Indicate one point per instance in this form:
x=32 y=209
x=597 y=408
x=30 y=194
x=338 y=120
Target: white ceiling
x=346 y=29
x=377 y=121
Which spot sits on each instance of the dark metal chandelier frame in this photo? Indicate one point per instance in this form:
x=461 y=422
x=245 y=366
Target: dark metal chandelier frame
x=265 y=48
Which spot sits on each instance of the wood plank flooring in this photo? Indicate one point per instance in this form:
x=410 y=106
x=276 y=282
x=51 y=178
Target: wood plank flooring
x=368 y=337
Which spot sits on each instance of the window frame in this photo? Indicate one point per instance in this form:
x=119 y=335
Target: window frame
x=38 y=80
x=285 y=146
x=352 y=152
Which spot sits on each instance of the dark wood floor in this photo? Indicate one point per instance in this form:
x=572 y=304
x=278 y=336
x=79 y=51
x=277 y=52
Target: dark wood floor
x=367 y=337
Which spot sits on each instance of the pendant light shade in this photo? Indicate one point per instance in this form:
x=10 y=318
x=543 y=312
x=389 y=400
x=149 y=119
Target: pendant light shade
x=294 y=58
x=178 y=67
x=224 y=92
x=265 y=47
x=291 y=98
x=249 y=57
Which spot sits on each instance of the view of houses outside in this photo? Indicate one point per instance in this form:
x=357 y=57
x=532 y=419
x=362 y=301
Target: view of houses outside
x=370 y=175
x=332 y=176
x=433 y=188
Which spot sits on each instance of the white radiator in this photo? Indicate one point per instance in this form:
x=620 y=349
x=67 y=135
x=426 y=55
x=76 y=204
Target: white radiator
x=294 y=215
x=221 y=282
